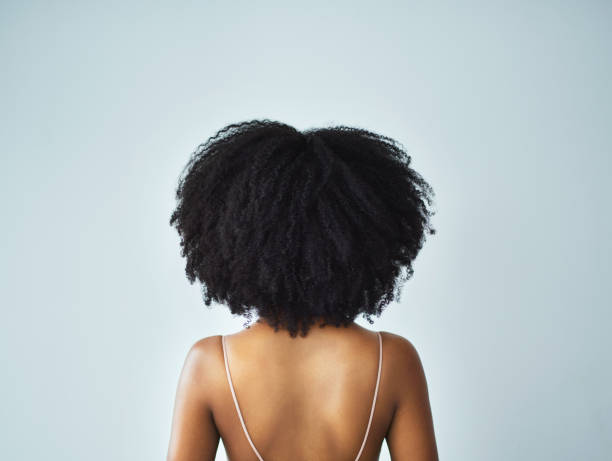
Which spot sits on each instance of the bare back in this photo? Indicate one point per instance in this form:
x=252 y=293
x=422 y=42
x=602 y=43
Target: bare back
x=308 y=398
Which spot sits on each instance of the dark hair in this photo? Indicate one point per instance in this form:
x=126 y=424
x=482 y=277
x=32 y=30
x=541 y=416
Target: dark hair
x=301 y=226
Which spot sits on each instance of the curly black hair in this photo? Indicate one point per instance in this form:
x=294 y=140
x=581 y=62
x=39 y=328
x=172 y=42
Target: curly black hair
x=301 y=226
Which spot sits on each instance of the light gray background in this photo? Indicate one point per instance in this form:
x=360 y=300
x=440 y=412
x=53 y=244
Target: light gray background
x=505 y=108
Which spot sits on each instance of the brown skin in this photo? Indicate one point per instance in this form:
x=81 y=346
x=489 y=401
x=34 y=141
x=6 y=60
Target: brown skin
x=302 y=399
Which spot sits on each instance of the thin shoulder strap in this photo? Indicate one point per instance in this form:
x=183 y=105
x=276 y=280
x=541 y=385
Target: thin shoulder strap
x=229 y=380
x=365 y=437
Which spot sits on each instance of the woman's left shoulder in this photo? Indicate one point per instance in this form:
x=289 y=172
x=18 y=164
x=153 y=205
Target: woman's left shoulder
x=204 y=360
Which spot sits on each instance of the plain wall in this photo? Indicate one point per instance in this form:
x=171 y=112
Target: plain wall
x=505 y=109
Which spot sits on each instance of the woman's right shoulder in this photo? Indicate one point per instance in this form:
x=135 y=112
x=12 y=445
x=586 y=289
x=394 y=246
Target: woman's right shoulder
x=410 y=434
x=401 y=355
x=398 y=343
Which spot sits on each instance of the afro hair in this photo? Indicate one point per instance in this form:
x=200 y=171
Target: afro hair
x=299 y=227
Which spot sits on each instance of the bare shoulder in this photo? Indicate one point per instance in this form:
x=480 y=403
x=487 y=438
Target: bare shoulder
x=402 y=358
x=207 y=347
x=399 y=349
x=204 y=363
x=411 y=432
x=194 y=434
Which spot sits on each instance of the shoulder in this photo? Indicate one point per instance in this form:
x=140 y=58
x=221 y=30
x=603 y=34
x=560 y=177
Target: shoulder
x=205 y=354
x=206 y=348
x=203 y=365
x=403 y=362
x=399 y=349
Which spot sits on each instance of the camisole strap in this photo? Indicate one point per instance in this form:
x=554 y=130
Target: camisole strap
x=365 y=437
x=246 y=433
x=229 y=379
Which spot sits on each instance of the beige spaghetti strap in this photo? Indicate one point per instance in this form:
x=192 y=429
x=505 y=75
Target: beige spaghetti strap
x=365 y=437
x=229 y=379
x=246 y=433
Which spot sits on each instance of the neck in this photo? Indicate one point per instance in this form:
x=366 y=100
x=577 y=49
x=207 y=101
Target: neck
x=264 y=324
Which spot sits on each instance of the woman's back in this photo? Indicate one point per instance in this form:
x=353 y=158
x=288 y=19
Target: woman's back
x=309 y=398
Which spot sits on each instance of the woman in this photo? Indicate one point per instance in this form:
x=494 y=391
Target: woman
x=307 y=231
